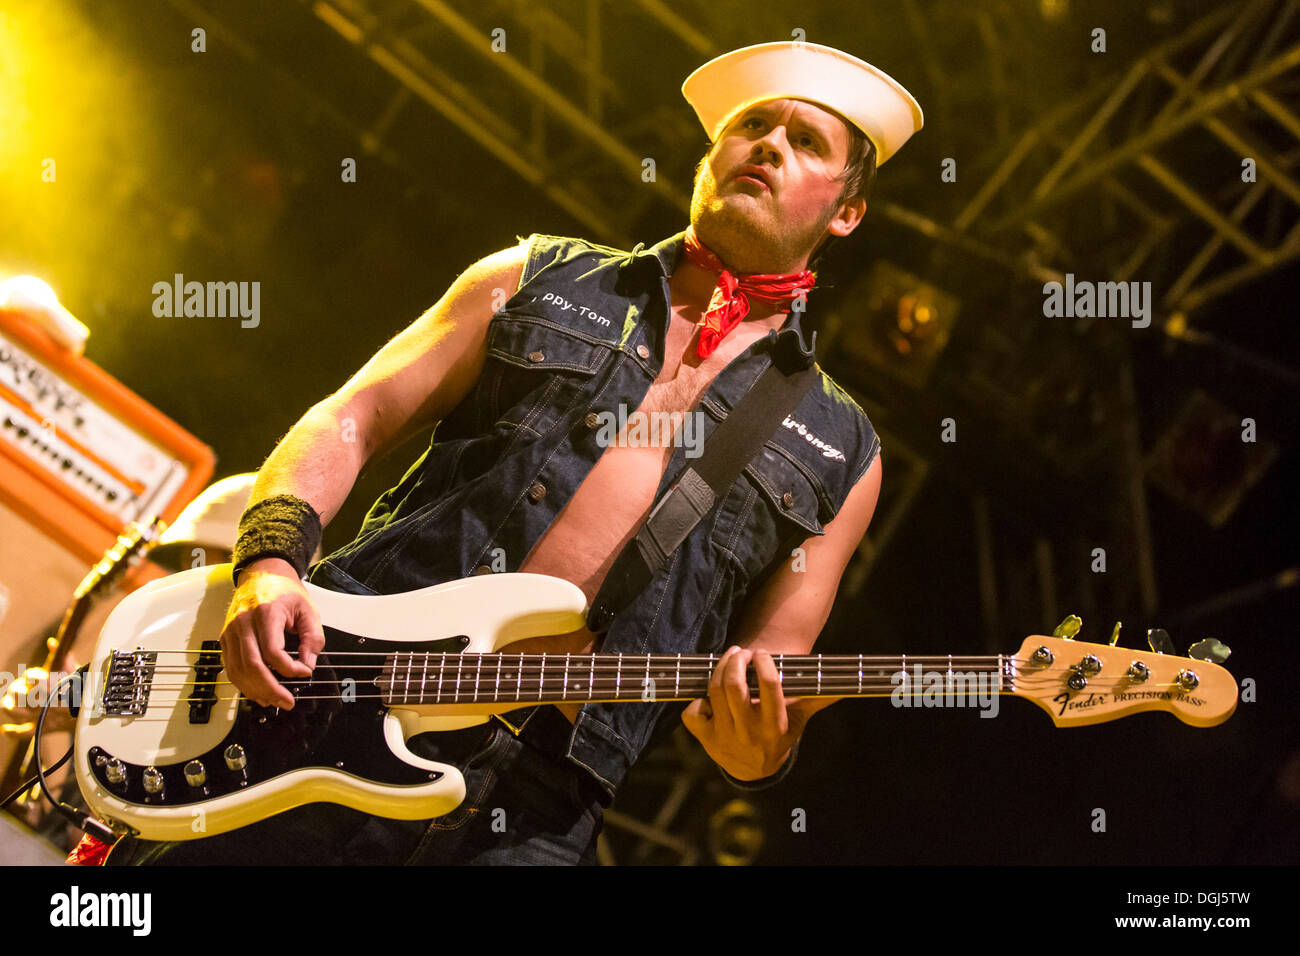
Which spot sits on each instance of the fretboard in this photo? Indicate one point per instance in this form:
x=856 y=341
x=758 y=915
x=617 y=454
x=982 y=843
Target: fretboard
x=437 y=678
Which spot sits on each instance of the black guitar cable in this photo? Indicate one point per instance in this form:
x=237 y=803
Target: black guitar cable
x=26 y=784
x=82 y=821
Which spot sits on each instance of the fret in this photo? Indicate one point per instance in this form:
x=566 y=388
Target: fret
x=496 y=691
x=677 y=682
x=460 y=666
x=424 y=676
x=406 y=688
x=519 y=679
x=541 y=678
x=442 y=667
x=859 y=674
x=591 y=680
x=649 y=682
x=564 y=691
x=477 y=670
x=819 y=673
x=618 y=675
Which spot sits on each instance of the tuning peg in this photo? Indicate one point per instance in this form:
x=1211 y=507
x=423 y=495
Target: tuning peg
x=1159 y=641
x=1209 y=650
x=1114 y=633
x=1069 y=627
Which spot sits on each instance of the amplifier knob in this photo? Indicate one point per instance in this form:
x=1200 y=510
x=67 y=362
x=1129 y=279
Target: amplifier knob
x=115 y=771
x=195 y=774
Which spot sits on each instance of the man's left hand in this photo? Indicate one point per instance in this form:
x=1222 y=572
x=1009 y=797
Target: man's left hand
x=750 y=740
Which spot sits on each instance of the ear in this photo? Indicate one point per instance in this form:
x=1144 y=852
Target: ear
x=848 y=217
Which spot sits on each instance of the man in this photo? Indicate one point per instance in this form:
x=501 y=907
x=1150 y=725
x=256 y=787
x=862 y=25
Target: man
x=519 y=478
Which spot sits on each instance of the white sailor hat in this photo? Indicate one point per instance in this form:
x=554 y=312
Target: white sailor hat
x=869 y=98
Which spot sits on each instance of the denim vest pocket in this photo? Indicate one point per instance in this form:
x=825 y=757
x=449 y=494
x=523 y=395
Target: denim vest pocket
x=535 y=363
x=786 y=488
x=783 y=513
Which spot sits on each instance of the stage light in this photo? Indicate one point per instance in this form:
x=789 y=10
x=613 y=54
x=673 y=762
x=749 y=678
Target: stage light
x=903 y=325
x=1053 y=10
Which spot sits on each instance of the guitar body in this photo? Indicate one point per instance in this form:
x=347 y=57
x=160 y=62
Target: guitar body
x=158 y=699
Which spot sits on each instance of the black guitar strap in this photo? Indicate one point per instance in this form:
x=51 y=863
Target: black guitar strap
x=728 y=449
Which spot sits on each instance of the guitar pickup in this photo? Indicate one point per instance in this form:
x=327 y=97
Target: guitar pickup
x=204 y=692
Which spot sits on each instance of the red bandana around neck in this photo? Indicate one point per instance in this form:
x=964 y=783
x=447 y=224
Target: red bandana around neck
x=730 y=301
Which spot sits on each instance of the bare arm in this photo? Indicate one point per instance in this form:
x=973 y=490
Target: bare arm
x=752 y=740
x=412 y=382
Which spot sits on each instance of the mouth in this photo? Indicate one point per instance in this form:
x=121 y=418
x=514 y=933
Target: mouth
x=752 y=174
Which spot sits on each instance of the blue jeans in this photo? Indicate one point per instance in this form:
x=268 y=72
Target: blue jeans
x=522 y=806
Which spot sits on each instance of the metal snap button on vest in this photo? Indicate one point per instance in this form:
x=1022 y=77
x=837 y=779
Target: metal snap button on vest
x=787 y=499
x=592 y=420
x=536 y=356
x=537 y=492
x=642 y=351
x=483 y=569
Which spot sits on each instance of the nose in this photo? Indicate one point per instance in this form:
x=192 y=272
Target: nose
x=768 y=148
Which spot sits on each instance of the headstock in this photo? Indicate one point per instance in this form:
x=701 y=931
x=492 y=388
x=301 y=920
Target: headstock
x=1080 y=683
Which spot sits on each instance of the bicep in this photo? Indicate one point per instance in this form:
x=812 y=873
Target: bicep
x=788 y=612
x=425 y=370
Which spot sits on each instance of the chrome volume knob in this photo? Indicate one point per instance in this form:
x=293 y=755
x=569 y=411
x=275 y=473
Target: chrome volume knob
x=152 y=780
x=196 y=775
x=115 y=771
x=235 y=758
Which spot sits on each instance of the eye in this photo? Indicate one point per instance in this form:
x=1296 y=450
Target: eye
x=811 y=141
x=752 y=119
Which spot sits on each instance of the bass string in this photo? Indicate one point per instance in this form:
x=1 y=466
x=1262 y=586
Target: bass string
x=542 y=674
x=631 y=695
x=789 y=686
x=607 y=655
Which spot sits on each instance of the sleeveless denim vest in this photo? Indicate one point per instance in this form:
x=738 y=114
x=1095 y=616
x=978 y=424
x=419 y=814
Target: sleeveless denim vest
x=585 y=332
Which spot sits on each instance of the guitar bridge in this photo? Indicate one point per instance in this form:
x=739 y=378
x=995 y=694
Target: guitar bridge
x=130 y=675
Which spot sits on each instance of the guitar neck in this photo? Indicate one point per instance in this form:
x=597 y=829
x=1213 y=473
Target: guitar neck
x=435 y=678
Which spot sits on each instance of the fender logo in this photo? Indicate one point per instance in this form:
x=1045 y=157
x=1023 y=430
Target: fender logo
x=1092 y=700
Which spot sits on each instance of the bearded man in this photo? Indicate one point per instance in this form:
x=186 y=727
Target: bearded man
x=520 y=477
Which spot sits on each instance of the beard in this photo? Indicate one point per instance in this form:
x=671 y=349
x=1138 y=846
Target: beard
x=744 y=233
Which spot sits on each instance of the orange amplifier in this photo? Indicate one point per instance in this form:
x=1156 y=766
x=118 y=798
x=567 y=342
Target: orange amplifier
x=81 y=457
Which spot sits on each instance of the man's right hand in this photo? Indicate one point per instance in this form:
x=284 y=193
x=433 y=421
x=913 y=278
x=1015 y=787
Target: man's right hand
x=269 y=600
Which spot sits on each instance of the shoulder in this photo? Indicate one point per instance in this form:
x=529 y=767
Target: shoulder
x=830 y=433
x=546 y=252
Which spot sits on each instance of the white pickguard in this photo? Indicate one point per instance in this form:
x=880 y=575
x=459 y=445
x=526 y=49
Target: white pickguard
x=178 y=613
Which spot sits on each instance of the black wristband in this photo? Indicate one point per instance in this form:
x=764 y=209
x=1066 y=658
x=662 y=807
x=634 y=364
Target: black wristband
x=280 y=526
